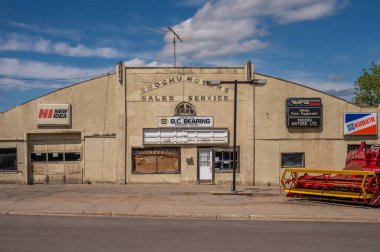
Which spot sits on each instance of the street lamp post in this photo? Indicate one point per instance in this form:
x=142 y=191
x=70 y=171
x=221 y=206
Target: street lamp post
x=235 y=82
x=234 y=144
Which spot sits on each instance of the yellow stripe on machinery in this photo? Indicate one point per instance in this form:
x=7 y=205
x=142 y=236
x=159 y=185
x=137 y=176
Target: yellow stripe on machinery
x=348 y=184
x=359 y=181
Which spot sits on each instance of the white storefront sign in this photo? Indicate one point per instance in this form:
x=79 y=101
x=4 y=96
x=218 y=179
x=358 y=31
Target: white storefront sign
x=185 y=136
x=185 y=122
x=53 y=114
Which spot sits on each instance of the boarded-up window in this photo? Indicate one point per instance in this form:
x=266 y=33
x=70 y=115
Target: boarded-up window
x=156 y=160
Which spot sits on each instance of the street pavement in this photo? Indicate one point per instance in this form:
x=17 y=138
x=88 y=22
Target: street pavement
x=85 y=233
x=175 y=202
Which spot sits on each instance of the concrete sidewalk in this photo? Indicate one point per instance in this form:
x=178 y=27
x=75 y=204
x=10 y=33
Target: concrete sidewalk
x=174 y=201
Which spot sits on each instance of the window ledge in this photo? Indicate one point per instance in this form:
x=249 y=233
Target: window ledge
x=169 y=173
x=293 y=166
x=9 y=172
x=226 y=171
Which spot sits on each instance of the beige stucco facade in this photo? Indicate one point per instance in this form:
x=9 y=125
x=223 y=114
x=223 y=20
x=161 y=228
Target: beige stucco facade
x=110 y=114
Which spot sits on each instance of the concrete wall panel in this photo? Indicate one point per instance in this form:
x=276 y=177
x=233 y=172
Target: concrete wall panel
x=100 y=160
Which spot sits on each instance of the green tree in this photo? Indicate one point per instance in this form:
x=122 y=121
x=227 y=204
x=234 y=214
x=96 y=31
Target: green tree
x=367 y=87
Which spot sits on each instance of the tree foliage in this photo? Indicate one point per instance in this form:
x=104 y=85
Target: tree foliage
x=367 y=87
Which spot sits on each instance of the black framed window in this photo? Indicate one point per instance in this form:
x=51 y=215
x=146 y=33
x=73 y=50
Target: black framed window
x=223 y=159
x=293 y=159
x=8 y=159
x=38 y=157
x=55 y=156
x=72 y=156
x=156 y=160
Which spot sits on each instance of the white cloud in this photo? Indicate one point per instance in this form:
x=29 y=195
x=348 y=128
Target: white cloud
x=230 y=27
x=26 y=85
x=294 y=11
x=41 y=75
x=332 y=84
x=18 y=42
x=43 y=70
x=327 y=85
x=46 y=30
x=346 y=94
x=28 y=70
x=83 y=51
x=137 y=62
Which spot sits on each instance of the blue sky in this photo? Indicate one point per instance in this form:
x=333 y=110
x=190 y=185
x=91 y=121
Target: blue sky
x=45 y=45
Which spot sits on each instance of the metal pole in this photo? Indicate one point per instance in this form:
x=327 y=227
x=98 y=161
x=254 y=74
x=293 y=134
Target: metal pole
x=235 y=82
x=175 y=60
x=234 y=151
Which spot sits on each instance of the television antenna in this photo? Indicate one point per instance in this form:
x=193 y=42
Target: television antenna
x=175 y=35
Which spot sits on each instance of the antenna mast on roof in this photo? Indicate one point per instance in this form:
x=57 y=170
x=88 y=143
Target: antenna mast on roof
x=174 y=41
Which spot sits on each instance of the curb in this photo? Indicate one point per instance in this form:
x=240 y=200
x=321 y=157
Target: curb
x=255 y=217
x=233 y=216
x=60 y=213
x=241 y=193
x=96 y=213
x=138 y=215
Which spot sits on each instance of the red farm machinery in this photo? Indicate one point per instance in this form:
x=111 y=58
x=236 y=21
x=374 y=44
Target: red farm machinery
x=358 y=182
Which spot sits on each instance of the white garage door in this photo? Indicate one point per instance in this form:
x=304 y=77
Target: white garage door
x=55 y=158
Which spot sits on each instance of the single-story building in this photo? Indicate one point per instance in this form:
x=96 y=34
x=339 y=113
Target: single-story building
x=172 y=125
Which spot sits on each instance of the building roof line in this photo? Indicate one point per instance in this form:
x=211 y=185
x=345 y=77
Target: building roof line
x=108 y=74
x=59 y=89
x=314 y=89
x=187 y=67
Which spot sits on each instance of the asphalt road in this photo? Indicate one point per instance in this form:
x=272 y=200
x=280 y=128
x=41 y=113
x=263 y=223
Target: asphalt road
x=51 y=233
